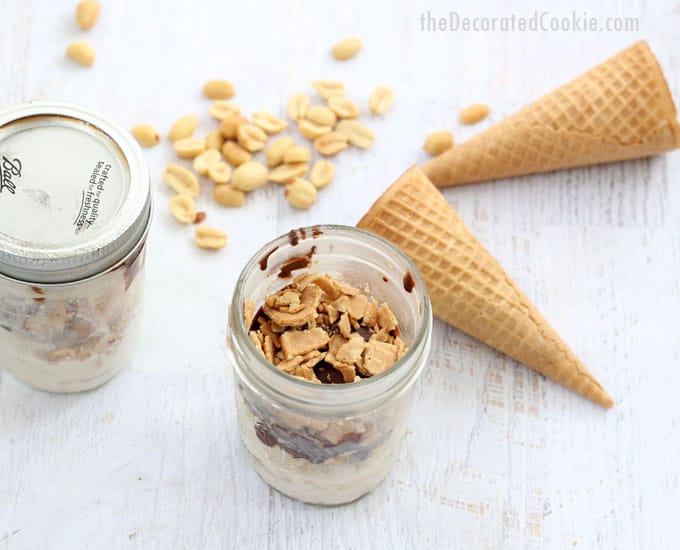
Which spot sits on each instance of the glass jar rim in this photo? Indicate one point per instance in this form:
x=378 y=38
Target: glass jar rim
x=69 y=284
x=399 y=372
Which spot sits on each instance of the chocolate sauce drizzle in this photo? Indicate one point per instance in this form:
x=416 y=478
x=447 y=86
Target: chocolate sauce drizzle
x=409 y=283
x=265 y=259
x=296 y=262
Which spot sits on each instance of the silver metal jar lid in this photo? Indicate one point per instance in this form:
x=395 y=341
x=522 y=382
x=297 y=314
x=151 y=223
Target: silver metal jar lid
x=74 y=192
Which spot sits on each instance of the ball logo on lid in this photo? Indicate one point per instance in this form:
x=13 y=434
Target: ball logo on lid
x=8 y=170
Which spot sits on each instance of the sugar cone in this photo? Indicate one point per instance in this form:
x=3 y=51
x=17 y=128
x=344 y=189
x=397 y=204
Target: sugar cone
x=468 y=288
x=621 y=109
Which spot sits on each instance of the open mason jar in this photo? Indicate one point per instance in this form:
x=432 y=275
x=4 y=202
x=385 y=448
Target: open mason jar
x=75 y=209
x=327 y=443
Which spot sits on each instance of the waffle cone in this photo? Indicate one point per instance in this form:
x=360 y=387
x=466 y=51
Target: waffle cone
x=621 y=109
x=467 y=286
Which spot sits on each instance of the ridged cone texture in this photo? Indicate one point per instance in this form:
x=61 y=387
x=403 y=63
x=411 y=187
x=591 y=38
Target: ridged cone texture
x=467 y=286
x=621 y=109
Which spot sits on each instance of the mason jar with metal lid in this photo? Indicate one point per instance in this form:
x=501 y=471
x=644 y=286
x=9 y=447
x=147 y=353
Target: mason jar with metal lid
x=75 y=208
x=327 y=443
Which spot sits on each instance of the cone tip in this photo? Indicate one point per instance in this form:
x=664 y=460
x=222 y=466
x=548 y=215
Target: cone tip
x=606 y=401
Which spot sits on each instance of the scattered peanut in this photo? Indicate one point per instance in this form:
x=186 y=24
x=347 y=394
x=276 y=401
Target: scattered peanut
x=346 y=49
x=228 y=195
x=87 y=13
x=277 y=150
x=234 y=154
x=205 y=160
x=323 y=116
x=183 y=208
x=146 y=135
x=328 y=88
x=311 y=130
x=322 y=173
x=219 y=172
x=299 y=153
x=181 y=180
x=381 y=100
x=214 y=140
x=238 y=139
x=297 y=106
x=331 y=144
x=343 y=107
x=183 y=128
x=230 y=125
x=210 y=238
x=251 y=138
x=474 y=113
x=268 y=122
x=82 y=53
x=218 y=89
x=357 y=133
x=438 y=142
x=223 y=109
x=189 y=147
x=286 y=172
x=249 y=176
x=300 y=193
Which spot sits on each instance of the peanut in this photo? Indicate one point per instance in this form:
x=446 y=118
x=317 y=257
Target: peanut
x=214 y=140
x=311 y=130
x=346 y=49
x=183 y=208
x=223 y=109
x=322 y=174
x=228 y=195
x=230 y=125
x=438 y=142
x=381 y=100
x=234 y=154
x=296 y=154
x=297 y=106
x=343 y=107
x=286 y=172
x=328 y=88
x=474 y=113
x=183 y=128
x=300 y=193
x=268 y=122
x=205 y=160
x=181 y=180
x=219 y=172
x=82 y=53
x=331 y=144
x=323 y=116
x=189 y=147
x=357 y=133
x=249 y=176
x=277 y=150
x=87 y=13
x=146 y=135
x=210 y=238
x=251 y=138
x=218 y=89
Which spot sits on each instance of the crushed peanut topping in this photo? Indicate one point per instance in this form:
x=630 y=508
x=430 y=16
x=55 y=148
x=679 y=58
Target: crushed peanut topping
x=325 y=331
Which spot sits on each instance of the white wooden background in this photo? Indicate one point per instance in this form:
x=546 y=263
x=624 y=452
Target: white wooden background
x=497 y=457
